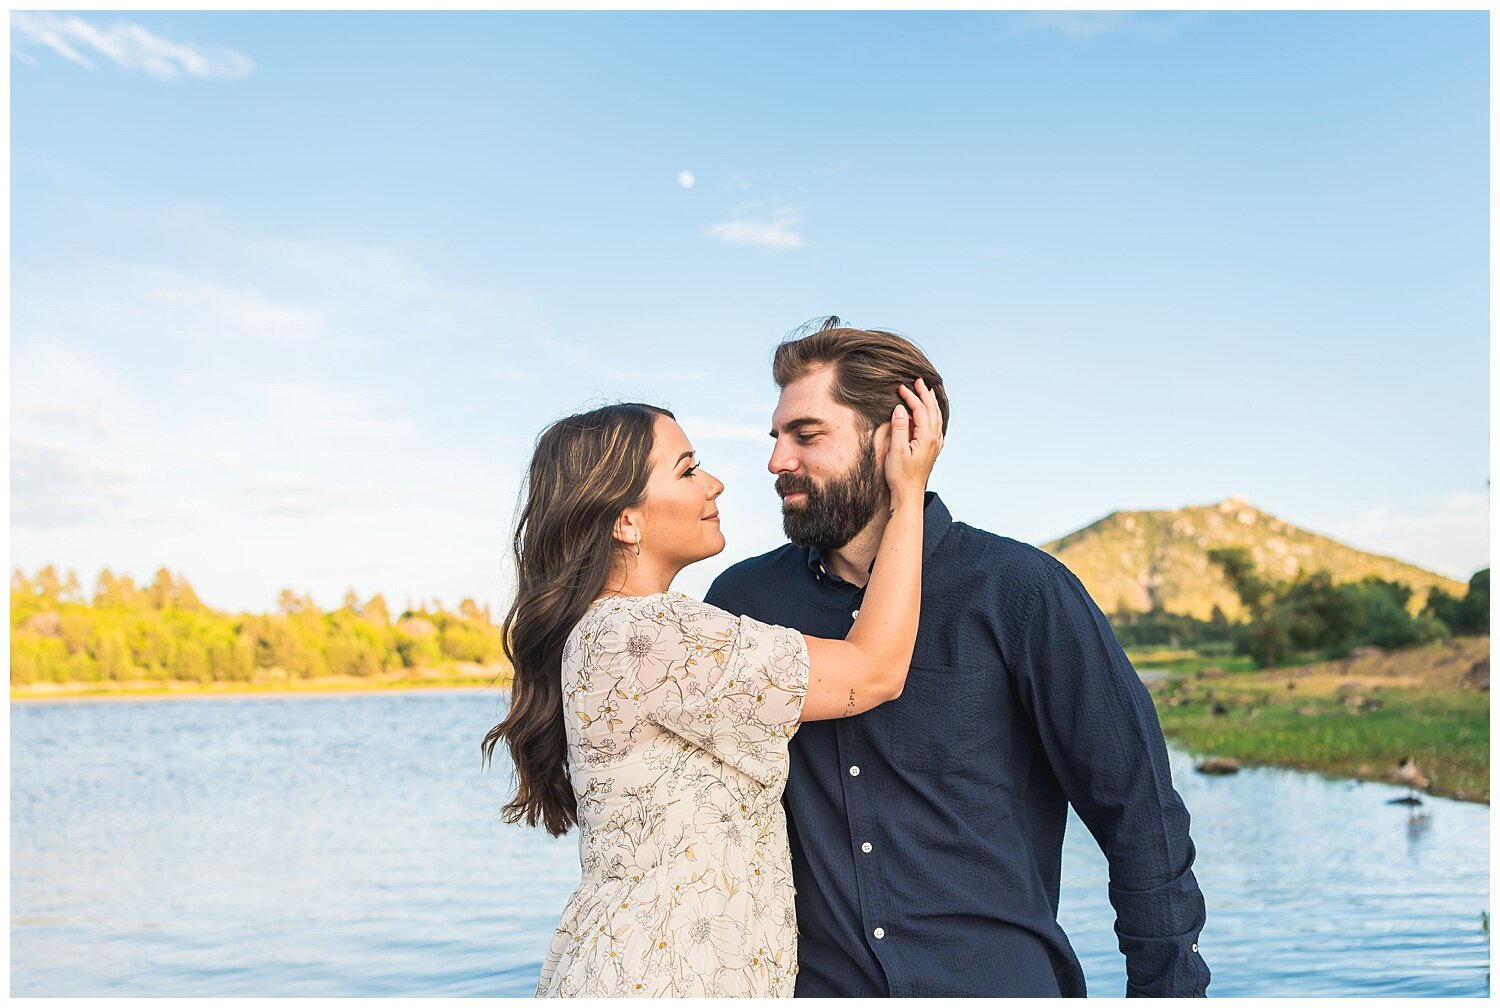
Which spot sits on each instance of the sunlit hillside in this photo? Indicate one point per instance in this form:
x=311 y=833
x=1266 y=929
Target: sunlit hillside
x=1137 y=561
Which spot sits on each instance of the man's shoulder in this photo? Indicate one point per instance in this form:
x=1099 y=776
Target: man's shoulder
x=1017 y=563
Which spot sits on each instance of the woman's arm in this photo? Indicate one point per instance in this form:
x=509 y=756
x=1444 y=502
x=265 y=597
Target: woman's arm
x=869 y=666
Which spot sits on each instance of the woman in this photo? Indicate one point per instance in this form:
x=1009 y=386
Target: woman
x=659 y=724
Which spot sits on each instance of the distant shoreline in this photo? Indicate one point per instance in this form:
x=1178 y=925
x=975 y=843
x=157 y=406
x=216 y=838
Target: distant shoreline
x=75 y=692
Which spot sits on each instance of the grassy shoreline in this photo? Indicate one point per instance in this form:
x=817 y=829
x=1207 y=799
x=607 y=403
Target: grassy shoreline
x=467 y=676
x=1355 y=718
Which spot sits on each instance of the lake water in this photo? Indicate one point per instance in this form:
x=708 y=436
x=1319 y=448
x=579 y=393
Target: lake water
x=350 y=846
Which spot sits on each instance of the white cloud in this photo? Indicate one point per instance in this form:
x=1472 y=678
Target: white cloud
x=203 y=305
x=148 y=390
x=738 y=182
x=351 y=416
x=685 y=179
x=1074 y=24
x=129 y=46
x=1447 y=533
x=1088 y=24
x=56 y=483
x=58 y=416
x=774 y=232
x=295 y=496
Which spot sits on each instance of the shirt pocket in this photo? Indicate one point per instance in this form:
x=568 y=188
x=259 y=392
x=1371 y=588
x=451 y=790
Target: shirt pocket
x=944 y=718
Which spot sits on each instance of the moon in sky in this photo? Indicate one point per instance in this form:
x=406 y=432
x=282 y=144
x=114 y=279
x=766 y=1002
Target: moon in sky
x=685 y=179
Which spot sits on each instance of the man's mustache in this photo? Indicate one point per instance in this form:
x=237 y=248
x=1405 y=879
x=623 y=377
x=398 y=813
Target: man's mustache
x=790 y=483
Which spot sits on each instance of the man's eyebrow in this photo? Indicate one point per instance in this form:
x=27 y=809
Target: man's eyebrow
x=799 y=423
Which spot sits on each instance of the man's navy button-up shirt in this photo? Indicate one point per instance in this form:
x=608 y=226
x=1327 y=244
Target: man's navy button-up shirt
x=926 y=834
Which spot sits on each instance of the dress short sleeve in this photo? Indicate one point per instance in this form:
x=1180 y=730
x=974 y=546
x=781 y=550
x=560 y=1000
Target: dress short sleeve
x=727 y=684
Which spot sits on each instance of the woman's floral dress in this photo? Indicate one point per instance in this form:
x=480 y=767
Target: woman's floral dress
x=678 y=716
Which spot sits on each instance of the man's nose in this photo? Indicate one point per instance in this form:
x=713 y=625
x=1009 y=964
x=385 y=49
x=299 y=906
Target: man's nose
x=782 y=461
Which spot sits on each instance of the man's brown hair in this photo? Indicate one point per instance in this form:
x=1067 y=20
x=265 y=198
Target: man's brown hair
x=868 y=365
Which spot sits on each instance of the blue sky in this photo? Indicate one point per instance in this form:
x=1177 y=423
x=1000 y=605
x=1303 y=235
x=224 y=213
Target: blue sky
x=292 y=294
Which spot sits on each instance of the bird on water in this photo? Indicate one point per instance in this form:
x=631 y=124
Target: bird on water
x=1412 y=776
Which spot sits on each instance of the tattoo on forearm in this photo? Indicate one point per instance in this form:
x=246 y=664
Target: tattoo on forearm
x=850 y=709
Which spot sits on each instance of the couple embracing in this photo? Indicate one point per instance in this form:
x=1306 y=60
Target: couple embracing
x=846 y=771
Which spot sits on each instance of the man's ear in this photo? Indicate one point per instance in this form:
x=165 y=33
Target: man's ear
x=882 y=444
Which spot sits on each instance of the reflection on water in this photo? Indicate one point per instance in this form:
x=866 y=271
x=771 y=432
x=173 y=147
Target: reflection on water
x=1417 y=823
x=349 y=846
x=1314 y=888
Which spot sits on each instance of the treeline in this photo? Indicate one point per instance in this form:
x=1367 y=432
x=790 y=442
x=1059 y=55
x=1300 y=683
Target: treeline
x=1161 y=629
x=1311 y=616
x=126 y=632
x=1464 y=616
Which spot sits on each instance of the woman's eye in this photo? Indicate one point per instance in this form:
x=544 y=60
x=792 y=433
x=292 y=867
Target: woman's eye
x=690 y=470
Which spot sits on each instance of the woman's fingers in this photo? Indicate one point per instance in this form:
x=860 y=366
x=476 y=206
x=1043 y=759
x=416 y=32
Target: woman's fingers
x=923 y=431
x=934 y=411
x=925 y=418
x=929 y=426
x=917 y=409
x=913 y=401
x=899 y=424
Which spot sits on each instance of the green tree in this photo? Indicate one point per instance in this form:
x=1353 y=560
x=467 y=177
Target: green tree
x=377 y=612
x=1312 y=615
x=1468 y=615
x=161 y=593
x=183 y=596
x=47 y=582
x=288 y=603
x=1256 y=593
x=126 y=593
x=1476 y=611
x=190 y=662
x=124 y=633
x=113 y=655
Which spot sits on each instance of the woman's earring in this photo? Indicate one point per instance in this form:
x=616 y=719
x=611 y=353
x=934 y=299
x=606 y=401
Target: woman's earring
x=637 y=546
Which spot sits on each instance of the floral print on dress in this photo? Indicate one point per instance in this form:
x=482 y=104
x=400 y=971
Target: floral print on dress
x=678 y=716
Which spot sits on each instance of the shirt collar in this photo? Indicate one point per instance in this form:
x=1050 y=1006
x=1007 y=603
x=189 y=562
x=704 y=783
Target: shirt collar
x=935 y=522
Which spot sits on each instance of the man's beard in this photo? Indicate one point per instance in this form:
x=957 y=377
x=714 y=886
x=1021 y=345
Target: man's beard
x=832 y=515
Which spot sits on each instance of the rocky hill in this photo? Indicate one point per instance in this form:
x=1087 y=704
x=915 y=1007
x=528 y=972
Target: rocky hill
x=1139 y=560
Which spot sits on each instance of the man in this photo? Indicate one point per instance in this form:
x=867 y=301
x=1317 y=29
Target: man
x=927 y=834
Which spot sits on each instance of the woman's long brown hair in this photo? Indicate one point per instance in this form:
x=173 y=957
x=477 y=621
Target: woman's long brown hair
x=586 y=469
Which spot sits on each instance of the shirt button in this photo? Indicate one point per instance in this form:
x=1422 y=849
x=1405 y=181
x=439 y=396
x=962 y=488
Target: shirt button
x=854 y=771
x=1195 y=946
x=854 y=614
x=867 y=849
x=880 y=932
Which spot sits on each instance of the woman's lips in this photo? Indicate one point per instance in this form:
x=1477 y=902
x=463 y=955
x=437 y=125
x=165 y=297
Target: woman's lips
x=713 y=518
